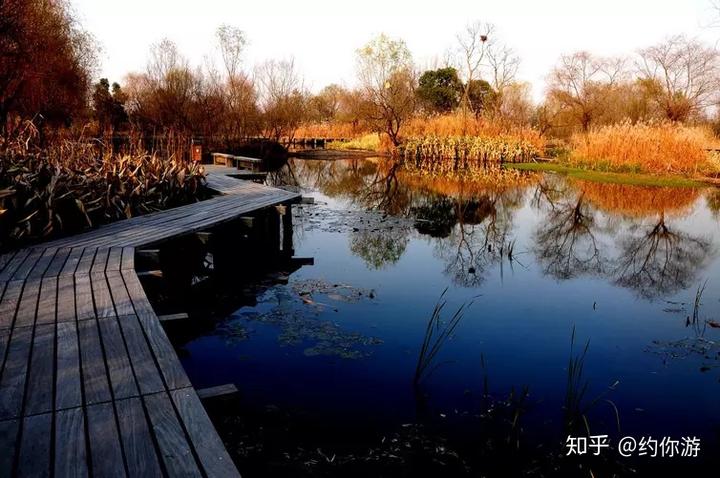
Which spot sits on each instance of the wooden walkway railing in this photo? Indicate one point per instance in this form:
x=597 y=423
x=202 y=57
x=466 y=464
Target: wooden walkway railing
x=90 y=385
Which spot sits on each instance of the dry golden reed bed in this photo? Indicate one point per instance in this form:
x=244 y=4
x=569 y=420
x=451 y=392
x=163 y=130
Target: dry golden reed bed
x=67 y=188
x=652 y=148
x=457 y=125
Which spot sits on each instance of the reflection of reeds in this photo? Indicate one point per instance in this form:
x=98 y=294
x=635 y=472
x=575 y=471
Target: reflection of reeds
x=576 y=409
x=491 y=180
x=695 y=321
x=437 y=333
x=638 y=201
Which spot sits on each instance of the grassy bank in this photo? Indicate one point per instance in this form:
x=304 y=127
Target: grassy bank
x=367 y=142
x=636 y=179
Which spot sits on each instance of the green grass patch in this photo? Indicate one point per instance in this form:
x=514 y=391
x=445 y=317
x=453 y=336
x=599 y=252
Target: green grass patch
x=632 y=178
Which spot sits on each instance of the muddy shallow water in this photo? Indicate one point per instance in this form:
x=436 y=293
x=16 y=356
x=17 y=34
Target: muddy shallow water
x=327 y=364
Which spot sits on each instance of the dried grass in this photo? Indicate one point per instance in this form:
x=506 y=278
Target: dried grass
x=67 y=188
x=663 y=148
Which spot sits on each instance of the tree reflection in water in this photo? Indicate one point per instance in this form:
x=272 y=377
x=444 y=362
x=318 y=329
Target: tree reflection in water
x=481 y=237
x=620 y=232
x=650 y=256
x=565 y=241
x=379 y=247
x=657 y=260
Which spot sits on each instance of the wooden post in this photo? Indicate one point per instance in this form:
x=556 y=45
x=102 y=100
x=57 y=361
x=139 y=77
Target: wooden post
x=287 y=232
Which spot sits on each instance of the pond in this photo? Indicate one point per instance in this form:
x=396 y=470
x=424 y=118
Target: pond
x=585 y=306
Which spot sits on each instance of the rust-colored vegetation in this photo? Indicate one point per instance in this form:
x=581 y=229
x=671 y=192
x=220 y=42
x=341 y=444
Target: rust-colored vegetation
x=638 y=201
x=67 y=188
x=652 y=148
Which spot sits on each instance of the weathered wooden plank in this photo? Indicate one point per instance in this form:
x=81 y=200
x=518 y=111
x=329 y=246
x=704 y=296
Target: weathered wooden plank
x=143 y=363
x=72 y=261
x=12 y=384
x=137 y=293
x=86 y=261
x=35 y=445
x=58 y=262
x=116 y=357
x=68 y=382
x=47 y=303
x=246 y=196
x=40 y=379
x=23 y=271
x=217 y=391
x=9 y=303
x=208 y=446
x=140 y=454
x=164 y=352
x=43 y=263
x=174 y=448
x=66 y=299
x=4 y=342
x=13 y=264
x=213 y=211
x=94 y=373
x=28 y=304
x=128 y=258
x=120 y=297
x=70 y=448
x=114 y=259
x=105 y=447
x=83 y=297
x=9 y=430
x=5 y=260
x=101 y=258
x=172 y=317
x=157 y=274
x=101 y=295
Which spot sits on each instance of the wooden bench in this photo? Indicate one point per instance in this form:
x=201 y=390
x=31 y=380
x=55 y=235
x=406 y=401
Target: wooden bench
x=235 y=161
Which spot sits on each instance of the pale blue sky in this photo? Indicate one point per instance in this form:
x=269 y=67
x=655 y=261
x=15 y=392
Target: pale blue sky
x=323 y=35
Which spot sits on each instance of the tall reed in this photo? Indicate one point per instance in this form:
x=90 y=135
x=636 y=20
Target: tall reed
x=653 y=148
x=437 y=333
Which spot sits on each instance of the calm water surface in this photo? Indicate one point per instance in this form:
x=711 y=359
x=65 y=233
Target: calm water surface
x=619 y=264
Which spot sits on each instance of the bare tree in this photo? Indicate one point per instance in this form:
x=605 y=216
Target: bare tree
x=282 y=98
x=232 y=43
x=503 y=64
x=473 y=43
x=684 y=74
x=386 y=74
x=579 y=83
x=238 y=90
x=164 y=57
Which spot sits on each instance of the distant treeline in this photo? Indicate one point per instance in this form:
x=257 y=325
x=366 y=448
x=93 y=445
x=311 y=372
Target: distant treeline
x=48 y=62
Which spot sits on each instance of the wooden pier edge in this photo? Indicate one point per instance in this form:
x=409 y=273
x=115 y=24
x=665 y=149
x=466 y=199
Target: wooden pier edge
x=90 y=385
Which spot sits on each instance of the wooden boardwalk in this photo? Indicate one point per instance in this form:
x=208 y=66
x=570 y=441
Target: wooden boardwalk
x=90 y=385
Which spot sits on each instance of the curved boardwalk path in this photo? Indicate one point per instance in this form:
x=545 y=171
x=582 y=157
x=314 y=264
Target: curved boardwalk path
x=89 y=382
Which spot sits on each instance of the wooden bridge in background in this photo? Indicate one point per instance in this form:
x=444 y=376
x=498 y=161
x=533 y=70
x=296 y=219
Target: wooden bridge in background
x=90 y=385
